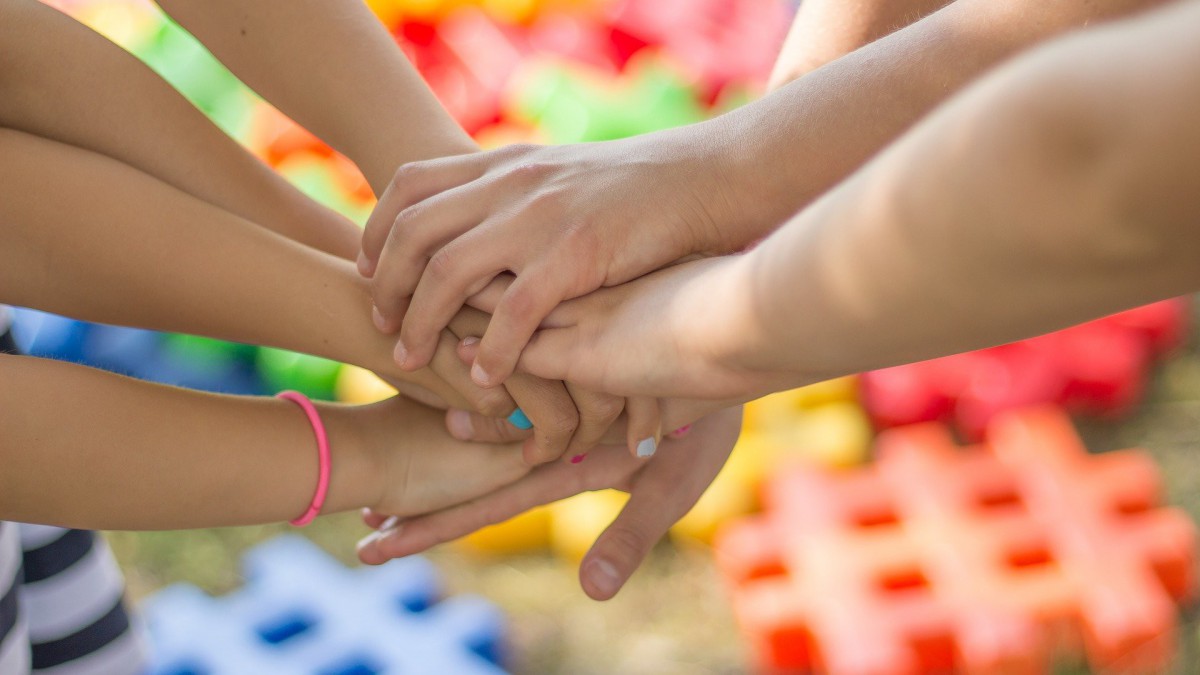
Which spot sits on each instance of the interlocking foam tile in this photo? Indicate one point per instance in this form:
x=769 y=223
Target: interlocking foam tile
x=301 y=612
x=717 y=41
x=1098 y=368
x=982 y=560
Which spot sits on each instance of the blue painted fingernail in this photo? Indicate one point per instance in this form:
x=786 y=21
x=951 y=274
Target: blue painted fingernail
x=519 y=420
x=647 y=447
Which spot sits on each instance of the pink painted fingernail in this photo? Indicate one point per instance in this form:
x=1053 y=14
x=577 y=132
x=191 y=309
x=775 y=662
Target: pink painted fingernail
x=470 y=341
x=681 y=431
x=578 y=458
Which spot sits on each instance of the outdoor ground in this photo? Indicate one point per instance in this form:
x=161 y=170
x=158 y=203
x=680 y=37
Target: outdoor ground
x=672 y=618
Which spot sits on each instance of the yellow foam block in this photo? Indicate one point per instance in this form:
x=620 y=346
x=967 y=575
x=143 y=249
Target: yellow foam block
x=783 y=406
x=733 y=493
x=528 y=532
x=578 y=521
x=836 y=435
x=357 y=385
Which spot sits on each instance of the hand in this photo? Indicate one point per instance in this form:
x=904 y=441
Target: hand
x=661 y=491
x=679 y=333
x=565 y=418
x=565 y=220
x=421 y=467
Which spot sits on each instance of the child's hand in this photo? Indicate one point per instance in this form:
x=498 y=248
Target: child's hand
x=661 y=492
x=566 y=419
x=566 y=220
x=678 y=333
x=421 y=467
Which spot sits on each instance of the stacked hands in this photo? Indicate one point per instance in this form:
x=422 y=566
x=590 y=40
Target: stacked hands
x=614 y=301
x=495 y=269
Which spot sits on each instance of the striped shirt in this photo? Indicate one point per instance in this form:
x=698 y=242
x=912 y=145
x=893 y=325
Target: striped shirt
x=62 y=608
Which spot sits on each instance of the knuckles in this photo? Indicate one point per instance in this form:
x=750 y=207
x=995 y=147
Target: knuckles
x=492 y=403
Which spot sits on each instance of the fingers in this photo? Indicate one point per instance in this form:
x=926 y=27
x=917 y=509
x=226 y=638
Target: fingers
x=597 y=413
x=562 y=421
x=455 y=272
x=420 y=241
x=532 y=296
x=645 y=426
x=375 y=520
x=665 y=490
x=446 y=364
x=553 y=413
x=468 y=426
x=411 y=184
x=622 y=547
x=543 y=485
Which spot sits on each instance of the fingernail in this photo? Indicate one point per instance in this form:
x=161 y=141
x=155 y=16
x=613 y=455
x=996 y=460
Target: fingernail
x=368 y=540
x=681 y=431
x=578 y=458
x=377 y=317
x=460 y=425
x=604 y=576
x=480 y=376
x=401 y=353
x=364 y=265
x=647 y=447
x=390 y=524
x=520 y=420
x=470 y=341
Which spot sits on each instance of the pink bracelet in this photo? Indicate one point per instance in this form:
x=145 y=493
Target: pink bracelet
x=323 y=461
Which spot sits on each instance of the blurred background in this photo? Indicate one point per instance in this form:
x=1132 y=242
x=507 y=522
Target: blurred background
x=564 y=71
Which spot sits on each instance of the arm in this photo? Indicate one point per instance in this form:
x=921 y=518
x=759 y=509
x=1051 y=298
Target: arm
x=125 y=248
x=330 y=66
x=83 y=448
x=713 y=187
x=98 y=97
x=1059 y=189
x=825 y=30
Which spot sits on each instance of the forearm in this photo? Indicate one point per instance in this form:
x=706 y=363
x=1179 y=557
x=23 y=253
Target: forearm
x=788 y=148
x=1058 y=190
x=83 y=448
x=333 y=68
x=96 y=96
x=128 y=250
x=825 y=30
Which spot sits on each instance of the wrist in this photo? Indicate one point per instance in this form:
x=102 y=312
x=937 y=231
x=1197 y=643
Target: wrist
x=747 y=338
x=725 y=330
x=357 y=467
x=752 y=152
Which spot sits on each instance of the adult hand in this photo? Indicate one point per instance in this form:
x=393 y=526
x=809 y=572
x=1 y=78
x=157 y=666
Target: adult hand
x=662 y=490
x=565 y=220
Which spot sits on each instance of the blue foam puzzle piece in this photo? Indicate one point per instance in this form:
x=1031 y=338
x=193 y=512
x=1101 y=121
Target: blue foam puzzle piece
x=303 y=613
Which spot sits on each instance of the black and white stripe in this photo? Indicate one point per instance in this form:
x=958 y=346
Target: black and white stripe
x=14 y=633
x=73 y=596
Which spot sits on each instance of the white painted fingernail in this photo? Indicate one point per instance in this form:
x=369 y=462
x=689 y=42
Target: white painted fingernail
x=389 y=524
x=647 y=447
